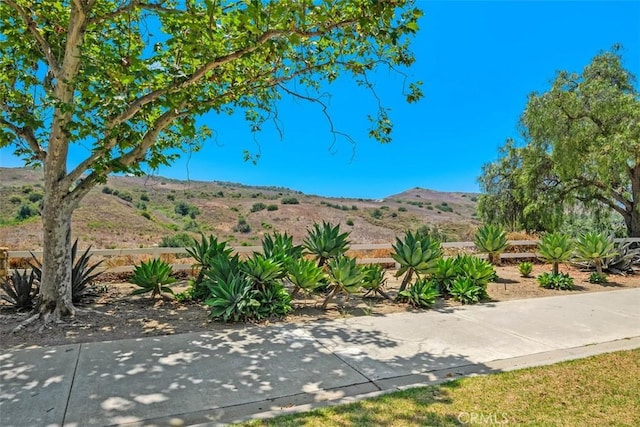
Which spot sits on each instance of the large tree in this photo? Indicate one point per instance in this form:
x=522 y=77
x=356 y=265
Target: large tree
x=582 y=145
x=128 y=78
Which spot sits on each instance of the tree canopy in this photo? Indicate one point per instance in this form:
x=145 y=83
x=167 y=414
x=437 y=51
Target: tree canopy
x=128 y=79
x=582 y=147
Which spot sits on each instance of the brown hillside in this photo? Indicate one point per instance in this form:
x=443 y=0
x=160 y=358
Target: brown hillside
x=141 y=211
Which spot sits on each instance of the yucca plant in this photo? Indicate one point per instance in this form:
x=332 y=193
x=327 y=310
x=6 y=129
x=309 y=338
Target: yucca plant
x=595 y=247
x=555 y=248
x=525 y=268
x=153 y=276
x=344 y=276
x=422 y=293
x=232 y=298
x=492 y=240
x=304 y=274
x=374 y=280
x=416 y=254
x=81 y=273
x=326 y=242
x=20 y=290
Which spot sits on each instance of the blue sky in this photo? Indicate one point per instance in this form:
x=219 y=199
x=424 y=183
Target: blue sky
x=478 y=60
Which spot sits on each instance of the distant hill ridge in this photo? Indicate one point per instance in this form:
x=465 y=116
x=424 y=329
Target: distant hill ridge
x=134 y=211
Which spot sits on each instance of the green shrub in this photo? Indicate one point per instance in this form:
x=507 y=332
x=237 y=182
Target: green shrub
x=15 y=200
x=289 y=201
x=35 y=197
x=272 y=208
x=525 y=268
x=141 y=205
x=556 y=281
x=153 y=276
x=350 y=222
x=402 y=209
x=183 y=209
x=258 y=207
x=422 y=293
x=107 y=190
x=146 y=214
x=597 y=278
x=171 y=197
x=242 y=226
x=180 y=240
x=444 y=207
x=127 y=197
x=144 y=197
x=26 y=211
x=376 y=213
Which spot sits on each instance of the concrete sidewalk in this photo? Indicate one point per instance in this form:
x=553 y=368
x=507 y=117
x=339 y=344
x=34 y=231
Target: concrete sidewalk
x=219 y=377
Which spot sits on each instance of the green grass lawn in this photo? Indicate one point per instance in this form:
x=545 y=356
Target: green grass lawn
x=602 y=390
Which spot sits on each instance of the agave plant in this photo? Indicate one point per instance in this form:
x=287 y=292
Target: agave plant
x=492 y=240
x=204 y=251
x=525 y=268
x=595 y=247
x=232 y=298
x=416 y=255
x=262 y=271
x=467 y=291
x=280 y=247
x=81 y=272
x=153 y=276
x=444 y=274
x=326 y=242
x=555 y=248
x=273 y=301
x=222 y=267
x=422 y=293
x=345 y=276
x=476 y=269
x=20 y=290
x=304 y=274
x=626 y=257
x=374 y=280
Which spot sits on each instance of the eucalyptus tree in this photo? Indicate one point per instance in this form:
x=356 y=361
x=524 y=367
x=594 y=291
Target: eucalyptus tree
x=129 y=78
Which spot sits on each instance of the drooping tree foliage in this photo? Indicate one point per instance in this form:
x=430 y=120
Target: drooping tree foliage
x=128 y=79
x=582 y=149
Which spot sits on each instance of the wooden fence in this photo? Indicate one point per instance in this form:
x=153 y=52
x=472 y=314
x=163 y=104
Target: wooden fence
x=355 y=249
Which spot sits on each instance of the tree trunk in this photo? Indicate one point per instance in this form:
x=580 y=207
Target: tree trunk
x=55 y=287
x=633 y=219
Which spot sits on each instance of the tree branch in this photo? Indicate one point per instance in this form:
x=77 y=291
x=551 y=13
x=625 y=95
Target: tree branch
x=35 y=31
x=200 y=73
x=137 y=154
x=28 y=135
